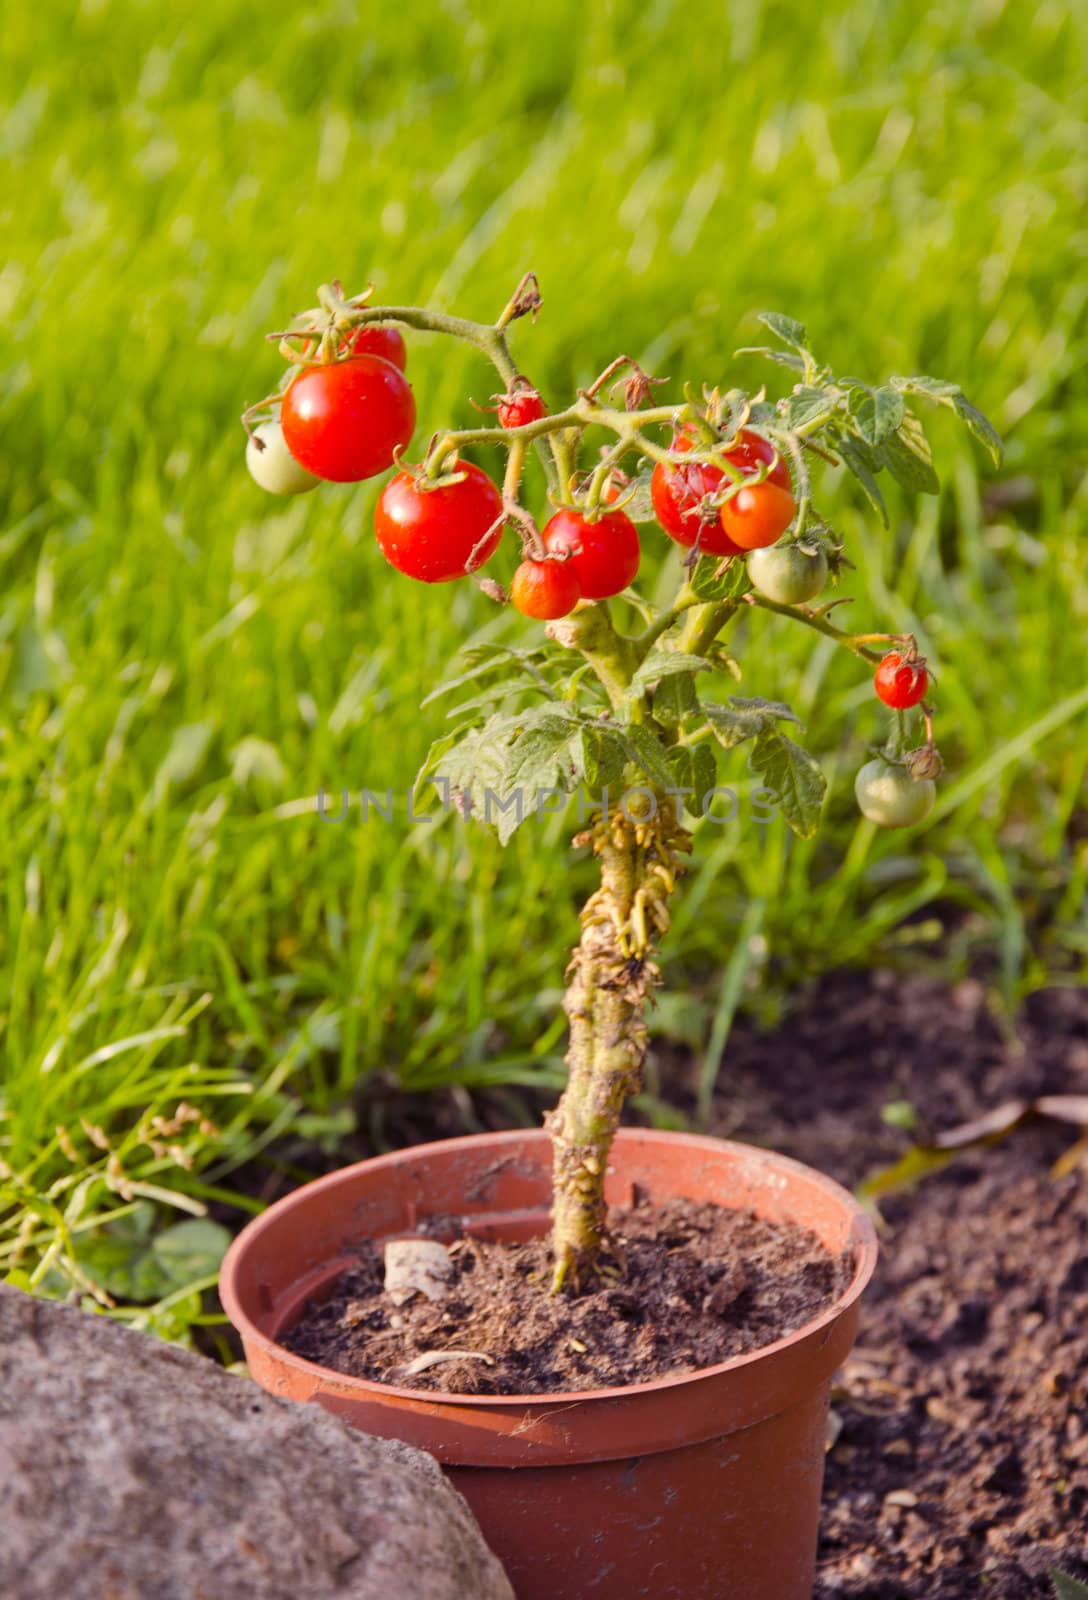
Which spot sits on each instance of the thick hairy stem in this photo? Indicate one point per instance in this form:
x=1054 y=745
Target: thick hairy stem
x=611 y=976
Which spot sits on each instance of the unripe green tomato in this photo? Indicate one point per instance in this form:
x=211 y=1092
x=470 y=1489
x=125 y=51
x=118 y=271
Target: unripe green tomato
x=274 y=467
x=890 y=797
x=787 y=574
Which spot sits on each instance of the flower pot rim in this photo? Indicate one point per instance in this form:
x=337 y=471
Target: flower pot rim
x=862 y=1238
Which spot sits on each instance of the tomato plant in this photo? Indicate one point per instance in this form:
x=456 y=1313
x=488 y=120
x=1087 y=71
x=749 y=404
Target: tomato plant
x=545 y=589
x=636 y=701
x=603 y=555
x=437 y=531
x=346 y=420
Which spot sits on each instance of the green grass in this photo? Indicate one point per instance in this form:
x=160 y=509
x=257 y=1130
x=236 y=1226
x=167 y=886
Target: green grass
x=183 y=664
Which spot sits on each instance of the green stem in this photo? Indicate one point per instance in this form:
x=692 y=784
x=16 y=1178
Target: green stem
x=849 y=641
x=704 y=624
x=612 y=655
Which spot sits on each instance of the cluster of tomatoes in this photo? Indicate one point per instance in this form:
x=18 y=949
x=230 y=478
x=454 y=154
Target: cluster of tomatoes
x=345 y=420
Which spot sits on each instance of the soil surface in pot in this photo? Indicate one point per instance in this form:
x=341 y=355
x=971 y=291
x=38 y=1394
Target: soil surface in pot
x=701 y=1284
x=960 y=1469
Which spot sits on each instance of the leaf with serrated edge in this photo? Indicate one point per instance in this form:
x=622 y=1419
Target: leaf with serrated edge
x=693 y=767
x=664 y=664
x=1066 y=1587
x=604 y=756
x=709 y=584
x=853 y=456
x=981 y=426
x=645 y=752
x=793 y=777
x=877 y=412
x=784 y=328
x=805 y=404
x=907 y=456
x=676 y=699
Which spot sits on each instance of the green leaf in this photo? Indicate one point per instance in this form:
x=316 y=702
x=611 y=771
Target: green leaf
x=1066 y=1587
x=745 y=717
x=855 y=458
x=950 y=394
x=129 y=1259
x=504 y=768
x=604 y=755
x=675 y=699
x=783 y=357
x=935 y=388
x=877 y=412
x=793 y=777
x=805 y=403
x=784 y=328
x=647 y=755
x=500 y=661
x=693 y=767
x=637 y=502
x=717 y=578
x=983 y=430
x=661 y=664
x=906 y=455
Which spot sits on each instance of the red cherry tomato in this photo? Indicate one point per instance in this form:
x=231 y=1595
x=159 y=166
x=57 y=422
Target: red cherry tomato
x=758 y=516
x=751 y=449
x=523 y=404
x=436 y=535
x=343 y=421
x=545 y=589
x=900 y=682
x=603 y=554
x=380 y=339
x=677 y=493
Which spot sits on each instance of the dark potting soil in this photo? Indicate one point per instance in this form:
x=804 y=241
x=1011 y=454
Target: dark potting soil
x=960 y=1467
x=700 y=1284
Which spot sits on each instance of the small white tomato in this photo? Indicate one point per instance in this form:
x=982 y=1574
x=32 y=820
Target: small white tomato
x=273 y=466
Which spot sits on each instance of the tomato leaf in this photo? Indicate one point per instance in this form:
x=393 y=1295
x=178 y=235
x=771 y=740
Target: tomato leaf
x=877 y=412
x=784 y=357
x=717 y=578
x=647 y=755
x=745 y=717
x=906 y=455
x=604 y=756
x=675 y=699
x=793 y=777
x=950 y=394
x=785 y=328
x=981 y=426
x=693 y=767
x=855 y=460
x=661 y=664
x=805 y=403
x=1066 y=1587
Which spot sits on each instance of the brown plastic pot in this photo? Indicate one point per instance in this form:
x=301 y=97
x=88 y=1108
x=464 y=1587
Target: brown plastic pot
x=698 y=1487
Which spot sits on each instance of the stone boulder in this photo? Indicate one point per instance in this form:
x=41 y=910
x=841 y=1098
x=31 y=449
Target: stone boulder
x=132 y=1470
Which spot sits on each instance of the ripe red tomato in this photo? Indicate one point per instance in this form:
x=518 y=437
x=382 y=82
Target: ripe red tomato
x=746 y=521
x=899 y=682
x=380 y=339
x=523 y=404
x=603 y=554
x=436 y=535
x=677 y=493
x=545 y=589
x=751 y=449
x=343 y=421
x=758 y=516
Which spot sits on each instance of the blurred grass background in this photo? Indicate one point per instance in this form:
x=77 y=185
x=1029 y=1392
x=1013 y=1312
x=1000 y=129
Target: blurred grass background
x=183 y=662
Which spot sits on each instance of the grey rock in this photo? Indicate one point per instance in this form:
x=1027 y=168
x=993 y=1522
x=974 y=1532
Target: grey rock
x=132 y=1470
